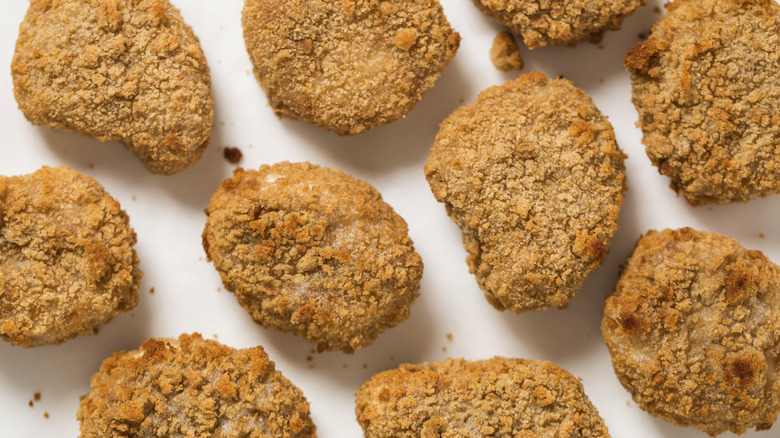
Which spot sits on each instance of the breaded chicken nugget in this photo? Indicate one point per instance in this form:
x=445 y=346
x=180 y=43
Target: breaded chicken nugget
x=559 y=22
x=693 y=328
x=67 y=262
x=706 y=85
x=512 y=398
x=347 y=66
x=313 y=251
x=116 y=70
x=532 y=175
x=193 y=387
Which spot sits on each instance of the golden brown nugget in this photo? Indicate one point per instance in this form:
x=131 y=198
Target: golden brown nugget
x=505 y=54
x=193 y=387
x=707 y=89
x=313 y=251
x=693 y=328
x=532 y=175
x=559 y=22
x=67 y=262
x=512 y=398
x=347 y=66
x=116 y=70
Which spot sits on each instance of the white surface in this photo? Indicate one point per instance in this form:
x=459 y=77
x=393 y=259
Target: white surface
x=167 y=213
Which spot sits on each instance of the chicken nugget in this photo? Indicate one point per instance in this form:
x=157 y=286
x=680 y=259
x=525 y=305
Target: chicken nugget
x=193 y=387
x=347 y=66
x=693 y=328
x=559 y=22
x=67 y=262
x=313 y=251
x=512 y=398
x=532 y=175
x=117 y=70
x=706 y=85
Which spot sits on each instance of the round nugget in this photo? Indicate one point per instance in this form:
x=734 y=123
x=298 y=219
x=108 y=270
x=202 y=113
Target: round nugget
x=707 y=89
x=313 y=251
x=193 y=387
x=559 y=22
x=67 y=262
x=512 y=398
x=347 y=66
x=532 y=175
x=693 y=328
x=119 y=70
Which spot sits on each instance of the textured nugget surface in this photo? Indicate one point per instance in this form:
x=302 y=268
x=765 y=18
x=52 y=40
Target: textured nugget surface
x=347 y=66
x=532 y=175
x=693 y=328
x=116 y=70
x=193 y=387
x=707 y=89
x=512 y=398
x=559 y=22
x=313 y=251
x=67 y=262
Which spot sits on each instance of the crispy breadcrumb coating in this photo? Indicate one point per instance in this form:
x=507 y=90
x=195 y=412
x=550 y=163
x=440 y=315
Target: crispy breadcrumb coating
x=313 y=251
x=693 y=328
x=532 y=175
x=67 y=262
x=512 y=398
x=347 y=66
x=559 y=22
x=504 y=54
x=116 y=70
x=707 y=88
x=193 y=387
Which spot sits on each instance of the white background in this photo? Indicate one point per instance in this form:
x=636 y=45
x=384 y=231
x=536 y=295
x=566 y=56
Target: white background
x=167 y=214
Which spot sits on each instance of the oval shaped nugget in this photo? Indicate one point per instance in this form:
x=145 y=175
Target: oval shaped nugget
x=512 y=398
x=707 y=89
x=116 y=70
x=313 y=251
x=67 y=262
x=693 y=328
x=347 y=66
x=559 y=22
x=532 y=175
x=193 y=387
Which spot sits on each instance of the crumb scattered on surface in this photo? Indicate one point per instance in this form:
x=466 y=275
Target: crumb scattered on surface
x=37 y=396
x=131 y=72
x=67 y=262
x=449 y=336
x=46 y=415
x=233 y=155
x=693 y=328
x=533 y=177
x=313 y=251
x=151 y=290
x=707 y=89
x=193 y=387
x=312 y=72
x=559 y=23
x=505 y=54
x=761 y=235
x=458 y=398
x=444 y=349
x=30 y=403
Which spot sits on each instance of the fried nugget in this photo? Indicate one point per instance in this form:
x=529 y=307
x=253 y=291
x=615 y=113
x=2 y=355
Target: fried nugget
x=512 y=398
x=116 y=70
x=193 y=387
x=347 y=66
x=707 y=89
x=693 y=328
x=313 y=251
x=67 y=262
x=532 y=175
x=559 y=22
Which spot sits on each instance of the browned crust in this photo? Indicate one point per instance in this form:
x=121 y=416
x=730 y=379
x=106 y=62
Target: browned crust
x=193 y=387
x=693 y=328
x=67 y=262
